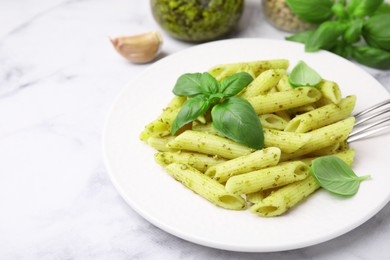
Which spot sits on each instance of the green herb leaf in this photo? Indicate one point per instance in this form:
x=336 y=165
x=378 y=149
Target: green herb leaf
x=208 y=84
x=313 y=11
x=353 y=32
x=236 y=119
x=190 y=110
x=383 y=9
x=334 y=175
x=303 y=75
x=301 y=37
x=188 y=84
x=233 y=84
x=371 y=57
x=342 y=49
x=362 y=8
x=339 y=10
x=376 y=31
x=325 y=36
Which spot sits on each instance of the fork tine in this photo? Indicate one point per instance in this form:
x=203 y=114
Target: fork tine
x=383 y=103
x=364 y=116
x=380 y=122
x=364 y=119
x=358 y=136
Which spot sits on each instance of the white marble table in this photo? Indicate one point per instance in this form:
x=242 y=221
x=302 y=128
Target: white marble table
x=59 y=75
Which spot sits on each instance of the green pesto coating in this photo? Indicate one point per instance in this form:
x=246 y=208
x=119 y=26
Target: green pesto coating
x=197 y=20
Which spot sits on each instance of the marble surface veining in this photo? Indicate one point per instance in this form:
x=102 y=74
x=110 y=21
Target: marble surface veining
x=59 y=75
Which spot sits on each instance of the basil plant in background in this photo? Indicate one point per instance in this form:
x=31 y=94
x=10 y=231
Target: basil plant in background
x=232 y=116
x=358 y=29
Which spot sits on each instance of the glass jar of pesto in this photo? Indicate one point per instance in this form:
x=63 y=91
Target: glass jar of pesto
x=279 y=14
x=197 y=20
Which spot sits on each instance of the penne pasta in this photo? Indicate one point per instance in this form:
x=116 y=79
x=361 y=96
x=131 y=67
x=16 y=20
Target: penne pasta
x=284 y=198
x=324 y=137
x=267 y=178
x=263 y=83
x=203 y=142
x=206 y=187
x=254 y=161
x=272 y=121
x=253 y=67
x=286 y=141
x=201 y=162
x=273 y=102
x=322 y=116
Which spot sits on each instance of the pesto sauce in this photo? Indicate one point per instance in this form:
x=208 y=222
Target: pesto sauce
x=197 y=20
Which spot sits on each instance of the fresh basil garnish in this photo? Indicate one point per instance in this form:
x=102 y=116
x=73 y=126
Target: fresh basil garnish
x=371 y=57
x=233 y=84
x=342 y=25
x=362 y=8
x=190 y=110
x=376 y=31
x=188 y=84
x=334 y=175
x=301 y=37
x=236 y=119
x=353 y=32
x=325 y=36
x=313 y=11
x=303 y=76
x=232 y=116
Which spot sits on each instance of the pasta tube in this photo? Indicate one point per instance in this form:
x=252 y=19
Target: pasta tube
x=330 y=92
x=272 y=121
x=278 y=101
x=287 y=142
x=201 y=162
x=160 y=144
x=280 y=201
x=322 y=116
x=263 y=83
x=283 y=84
x=203 y=142
x=254 y=161
x=268 y=178
x=254 y=68
x=162 y=125
x=324 y=137
x=206 y=187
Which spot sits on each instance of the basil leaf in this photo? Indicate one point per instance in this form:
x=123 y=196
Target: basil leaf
x=383 y=9
x=334 y=175
x=188 y=84
x=371 y=57
x=190 y=110
x=362 y=8
x=236 y=119
x=313 y=11
x=342 y=49
x=353 y=32
x=325 y=36
x=303 y=75
x=301 y=37
x=208 y=84
x=376 y=31
x=339 y=10
x=233 y=84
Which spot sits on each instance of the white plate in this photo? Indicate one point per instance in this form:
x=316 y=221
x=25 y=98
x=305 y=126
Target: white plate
x=157 y=197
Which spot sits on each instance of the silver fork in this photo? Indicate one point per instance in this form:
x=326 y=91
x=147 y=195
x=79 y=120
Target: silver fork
x=364 y=124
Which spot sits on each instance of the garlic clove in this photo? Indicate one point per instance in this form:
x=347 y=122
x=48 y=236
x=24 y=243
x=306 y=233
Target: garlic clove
x=141 y=48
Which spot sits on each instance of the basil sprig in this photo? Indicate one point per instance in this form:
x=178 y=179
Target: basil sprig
x=334 y=175
x=303 y=76
x=232 y=116
x=348 y=28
